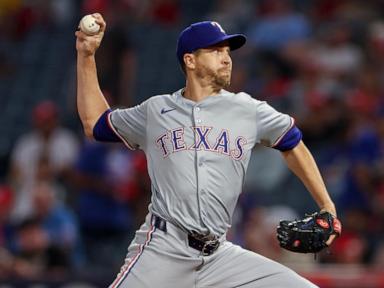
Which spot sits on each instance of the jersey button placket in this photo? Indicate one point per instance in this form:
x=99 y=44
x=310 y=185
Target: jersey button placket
x=197 y=116
x=200 y=170
x=202 y=186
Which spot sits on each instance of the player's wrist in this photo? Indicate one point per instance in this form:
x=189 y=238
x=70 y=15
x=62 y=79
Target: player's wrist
x=329 y=207
x=86 y=53
x=85 y=56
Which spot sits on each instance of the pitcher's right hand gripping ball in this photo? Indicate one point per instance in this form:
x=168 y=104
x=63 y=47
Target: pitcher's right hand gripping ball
x=310 y=234
x=87 y=44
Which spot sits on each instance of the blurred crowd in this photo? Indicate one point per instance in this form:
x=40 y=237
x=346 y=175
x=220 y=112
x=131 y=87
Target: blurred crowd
x=68 y=203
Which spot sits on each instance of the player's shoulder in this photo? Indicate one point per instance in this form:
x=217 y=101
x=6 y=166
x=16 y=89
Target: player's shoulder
x=151 y=103
x=160 y=97
x=240 y=97
x=156 y=99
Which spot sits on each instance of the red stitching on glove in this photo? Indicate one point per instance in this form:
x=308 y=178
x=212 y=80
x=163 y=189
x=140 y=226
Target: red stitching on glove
x=322 y=223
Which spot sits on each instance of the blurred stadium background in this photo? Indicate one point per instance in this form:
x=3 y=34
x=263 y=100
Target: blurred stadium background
x=69 y=207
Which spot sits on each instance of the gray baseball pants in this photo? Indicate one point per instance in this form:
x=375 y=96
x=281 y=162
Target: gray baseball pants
x=165 y=260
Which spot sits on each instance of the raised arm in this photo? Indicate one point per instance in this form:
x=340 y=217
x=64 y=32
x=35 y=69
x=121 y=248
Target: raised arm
x=90 y=100
x=301 y=162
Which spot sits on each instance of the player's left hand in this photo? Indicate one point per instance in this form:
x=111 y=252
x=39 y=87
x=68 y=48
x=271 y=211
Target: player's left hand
x=330 y=208
x=309 y=235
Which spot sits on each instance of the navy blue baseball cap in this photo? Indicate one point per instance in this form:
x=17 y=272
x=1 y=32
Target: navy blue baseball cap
x=204 y=34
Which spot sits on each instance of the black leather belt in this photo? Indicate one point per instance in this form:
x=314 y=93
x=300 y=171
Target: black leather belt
x=206 y=244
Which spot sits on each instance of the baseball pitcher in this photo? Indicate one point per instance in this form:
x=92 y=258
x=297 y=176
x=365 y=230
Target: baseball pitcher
x=198 y=142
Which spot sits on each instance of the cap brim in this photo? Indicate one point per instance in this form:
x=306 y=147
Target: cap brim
x=235 y=41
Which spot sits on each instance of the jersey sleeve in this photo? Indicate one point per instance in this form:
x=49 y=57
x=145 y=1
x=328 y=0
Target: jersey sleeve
x=130 y=125
x=271 y=124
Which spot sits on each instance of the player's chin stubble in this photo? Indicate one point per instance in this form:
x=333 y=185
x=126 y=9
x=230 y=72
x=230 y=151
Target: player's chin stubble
x=219 y=79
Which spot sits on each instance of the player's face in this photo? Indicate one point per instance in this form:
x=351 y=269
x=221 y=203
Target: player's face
x=214 y=64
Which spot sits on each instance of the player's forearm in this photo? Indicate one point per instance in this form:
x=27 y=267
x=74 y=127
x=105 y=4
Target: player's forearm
x=301 y=162
x=90 y=100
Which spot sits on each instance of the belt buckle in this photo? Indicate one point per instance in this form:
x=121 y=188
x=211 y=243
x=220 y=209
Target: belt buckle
x=209 y=242
x=209 y=247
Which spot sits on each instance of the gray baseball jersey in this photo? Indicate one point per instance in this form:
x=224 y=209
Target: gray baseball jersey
x=197 y=156
x=198 y=153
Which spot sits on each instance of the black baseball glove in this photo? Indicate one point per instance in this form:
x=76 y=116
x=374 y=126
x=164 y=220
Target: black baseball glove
x=310 y=234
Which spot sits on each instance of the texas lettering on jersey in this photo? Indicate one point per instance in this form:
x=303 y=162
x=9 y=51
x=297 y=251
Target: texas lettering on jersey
x=174 y=141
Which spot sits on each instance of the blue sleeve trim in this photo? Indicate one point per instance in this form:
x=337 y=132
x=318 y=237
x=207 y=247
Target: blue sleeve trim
x=102 y=131
x=290 y=139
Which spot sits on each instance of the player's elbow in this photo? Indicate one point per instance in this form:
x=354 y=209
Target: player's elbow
x=88 y=129
x=88 y=133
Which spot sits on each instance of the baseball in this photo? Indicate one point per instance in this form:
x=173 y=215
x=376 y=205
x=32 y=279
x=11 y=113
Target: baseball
x=88 y=25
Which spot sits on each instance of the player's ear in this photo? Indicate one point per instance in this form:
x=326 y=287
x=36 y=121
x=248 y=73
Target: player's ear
x=189 y=61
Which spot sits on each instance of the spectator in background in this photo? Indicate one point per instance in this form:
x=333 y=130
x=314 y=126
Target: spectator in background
x=276 y=25
x=110 y=181
x=335 y=54
x=12 y=263
x=47 y=240
x=36 y=255
x=59 y=224
x=325 y=66
x=48 y=138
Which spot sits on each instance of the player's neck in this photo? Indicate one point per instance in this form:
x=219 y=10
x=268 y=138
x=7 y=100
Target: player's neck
x=195 y=92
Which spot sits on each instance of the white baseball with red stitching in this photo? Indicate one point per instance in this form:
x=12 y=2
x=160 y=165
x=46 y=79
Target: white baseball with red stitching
x=89 y=26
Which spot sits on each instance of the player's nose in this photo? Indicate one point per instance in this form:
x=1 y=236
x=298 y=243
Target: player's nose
x=227 y=60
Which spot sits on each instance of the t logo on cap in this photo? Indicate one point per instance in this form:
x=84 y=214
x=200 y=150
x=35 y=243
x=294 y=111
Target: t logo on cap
x=214 y=23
